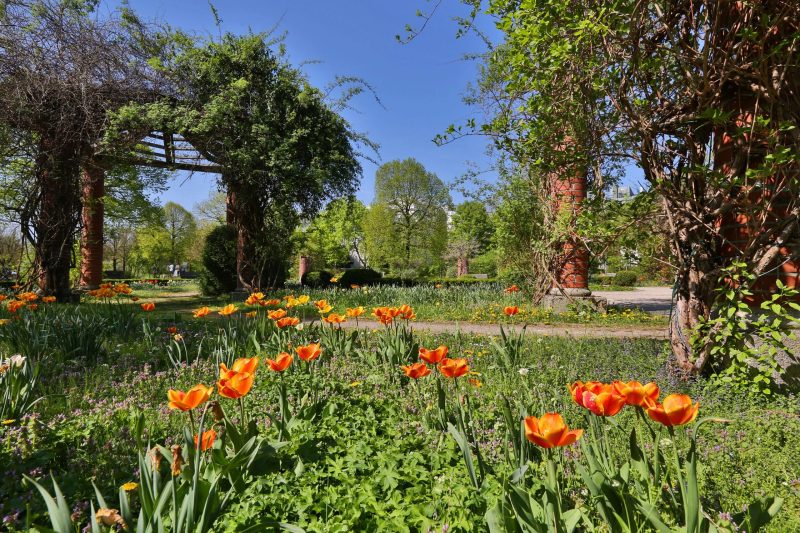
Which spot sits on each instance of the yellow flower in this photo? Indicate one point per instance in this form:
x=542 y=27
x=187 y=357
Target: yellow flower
x=355 y=383
x=303 y=299
x=129 y=486
x=8 y=422
x=251 y=314
x=177 y=337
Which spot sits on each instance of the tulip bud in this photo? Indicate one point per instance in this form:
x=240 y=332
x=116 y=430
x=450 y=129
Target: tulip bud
x=155 y=458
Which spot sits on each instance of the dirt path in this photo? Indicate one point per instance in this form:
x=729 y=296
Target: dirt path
x=560 y=330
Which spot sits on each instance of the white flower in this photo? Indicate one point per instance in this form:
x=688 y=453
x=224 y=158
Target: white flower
x=523 y=371
x=299 y=327
x=16 y=361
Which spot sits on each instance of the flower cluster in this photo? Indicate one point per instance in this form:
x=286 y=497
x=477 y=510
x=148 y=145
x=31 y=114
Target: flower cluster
x=448 y=367
x=386 y=315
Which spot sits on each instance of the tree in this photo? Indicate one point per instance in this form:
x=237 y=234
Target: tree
x=213 y=211
x=335 y=234
x=283 y=148
x=417 y=203
x=703 y=96
x=61 y=72
x=471 y=221
x=181 y=229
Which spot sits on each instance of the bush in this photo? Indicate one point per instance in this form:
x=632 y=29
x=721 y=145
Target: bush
x=625 y=278
x=484 y=264
x=316 y=279
x=219 y=262
x=359 y=276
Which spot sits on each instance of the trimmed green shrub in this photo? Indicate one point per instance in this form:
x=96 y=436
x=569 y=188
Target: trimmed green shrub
x=219 y=262
x=359 y=276
x=625 y=278
x=316 y=279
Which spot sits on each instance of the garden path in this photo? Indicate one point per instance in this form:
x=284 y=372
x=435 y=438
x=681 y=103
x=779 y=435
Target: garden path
x=651 y=299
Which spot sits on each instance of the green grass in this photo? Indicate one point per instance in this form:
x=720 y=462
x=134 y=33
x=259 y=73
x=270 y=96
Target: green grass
x=364 y=460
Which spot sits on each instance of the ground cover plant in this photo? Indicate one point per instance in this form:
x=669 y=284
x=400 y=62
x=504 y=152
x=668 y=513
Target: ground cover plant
x=320 y=428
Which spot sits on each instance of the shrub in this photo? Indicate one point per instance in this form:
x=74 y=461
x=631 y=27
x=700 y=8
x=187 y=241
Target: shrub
x=359 y=276
x=484 y=264
x=316 y=279
x=219 y=261
x=626 y=278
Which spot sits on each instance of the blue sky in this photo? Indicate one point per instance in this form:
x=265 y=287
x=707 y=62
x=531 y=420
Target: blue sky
x=421 y=84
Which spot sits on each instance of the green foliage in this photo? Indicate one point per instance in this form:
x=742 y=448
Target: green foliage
x=358 y=276
x=626 y=278
x=334 y=233
x=406 y=227
x=317 y=279
x=472 y=221
x=747 y=343
x=219 y=261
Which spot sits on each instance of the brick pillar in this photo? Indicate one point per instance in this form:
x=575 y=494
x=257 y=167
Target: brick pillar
x=303 y=267
x=569 y=191
x=93 y=190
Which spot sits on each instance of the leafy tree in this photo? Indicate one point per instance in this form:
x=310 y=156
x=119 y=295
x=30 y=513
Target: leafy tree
x=181 y=229
x=415 y=203
x=471 y=221
x=218 y=275
x=336 y=233
x=700 y=95
x=212 y=211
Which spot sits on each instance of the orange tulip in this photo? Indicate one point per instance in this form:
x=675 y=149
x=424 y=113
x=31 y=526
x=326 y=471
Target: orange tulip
x=288 y=321
x=607 y=403
x=512 y=289
x=33 y=307
x=550 y=431
x=251 y=314
x=271 y=303
x=384 y=315
x=321 y=304
x=354 y=312
x=3 y=297
x=637 y=394
x=676 y=410
x=453 y=368
x=276 y=314
x=243 y=364
x=280 y=363
x=334 y=318
x=15 y=305
x=579 y=387
x=148 y=306
x=406 y=312
x=433 y=357
x=416 y=371
x=511 y=310
x=172 y=330
x=228 y=310
x=234 y=385
x=309 y=352
x=200 y=313
x=208 y=439
x=186 y=401
x=48 y=299
x=326 y=309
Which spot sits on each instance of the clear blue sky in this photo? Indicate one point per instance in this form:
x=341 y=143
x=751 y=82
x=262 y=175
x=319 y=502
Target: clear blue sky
x=421 y=84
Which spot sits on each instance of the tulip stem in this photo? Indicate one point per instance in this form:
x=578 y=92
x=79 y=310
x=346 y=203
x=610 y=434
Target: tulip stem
x=242 y=413
x=191 y=422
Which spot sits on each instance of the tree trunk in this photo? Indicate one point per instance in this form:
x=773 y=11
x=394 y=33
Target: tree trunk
x=93 y=189
x=55 y=220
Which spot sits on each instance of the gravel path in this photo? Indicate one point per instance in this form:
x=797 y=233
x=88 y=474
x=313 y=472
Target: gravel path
x=651 y=299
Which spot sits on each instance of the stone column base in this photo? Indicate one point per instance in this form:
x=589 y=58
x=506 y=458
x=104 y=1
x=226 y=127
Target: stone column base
x=561 y=303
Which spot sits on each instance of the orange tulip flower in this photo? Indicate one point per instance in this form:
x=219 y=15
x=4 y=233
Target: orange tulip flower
x=578 y=388
x=243 y=364
x=550 y=431
x=326 y=309
x=321 y=304
x=228 y=310
x=15 y=305
x=148 y=306
x=676 y=410
x=172 y=330
x=511 y=310
x=33 y=307
x=280 y=363
x=607 y=403
x=309 y=352
x=433 y=357
x=288 y=321
x=208 y=439
x=200 y=313
x=637 y=394
x=334 y=318
x=384 y=315
x=276 y=314
x=512 y=289
x=453 y=368
x=416 y=371
x=271 y=303
x=354 y=312
x=405 y=312
x=3 y=297
x=186 y=401
x=48 y=299
x=235 y=384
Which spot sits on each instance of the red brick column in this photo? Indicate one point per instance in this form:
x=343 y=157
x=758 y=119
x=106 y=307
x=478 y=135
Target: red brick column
x=303 y=267
x=572 y=274
x=93 y=190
